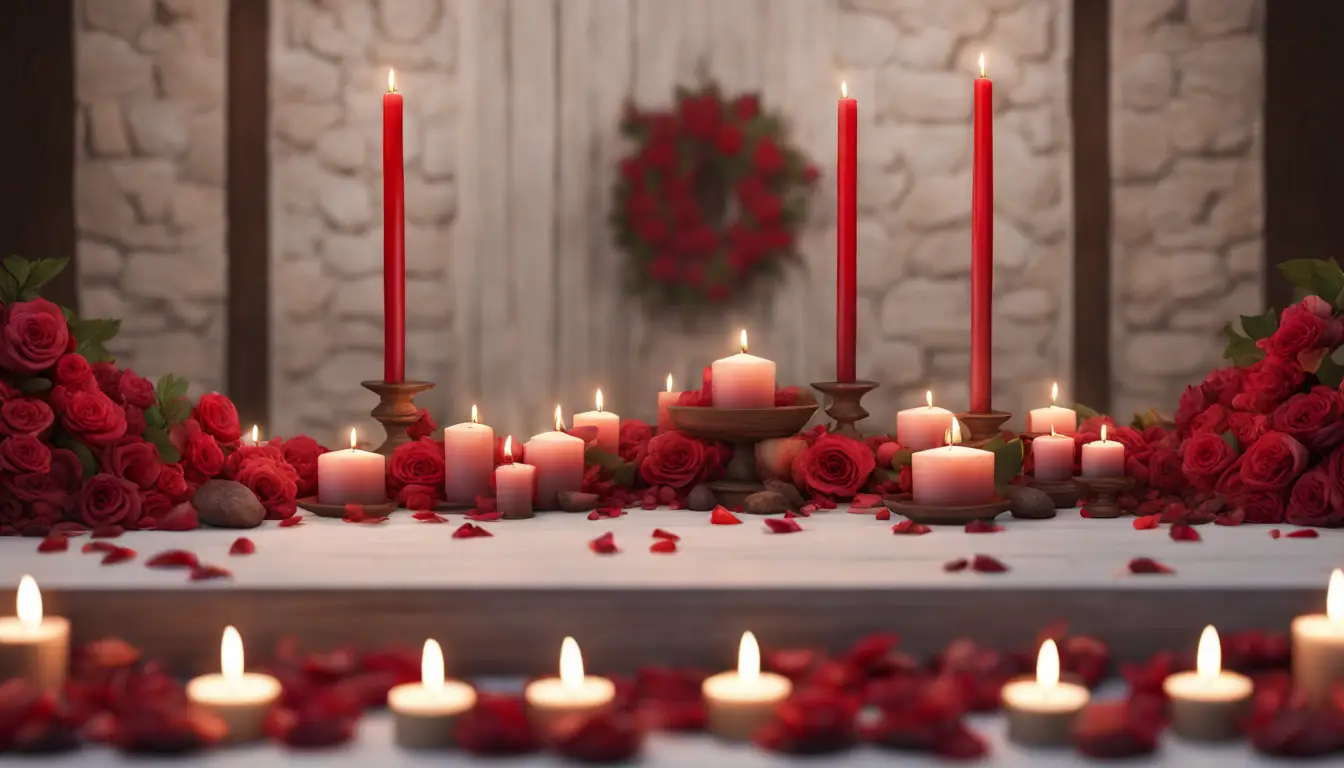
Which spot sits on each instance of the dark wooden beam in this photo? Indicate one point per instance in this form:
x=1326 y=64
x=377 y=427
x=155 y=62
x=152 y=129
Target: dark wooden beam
x=1304 y=120
x=37 y=138
x=249 y=240
x=1090 y=99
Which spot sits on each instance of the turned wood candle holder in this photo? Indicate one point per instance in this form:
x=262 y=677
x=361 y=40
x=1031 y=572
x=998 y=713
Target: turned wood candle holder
x=744 y=428
x=1099 y=494
x=843 y=404
x=396 y=409
x=929 y=514
x=311 y=504
x=982 y=427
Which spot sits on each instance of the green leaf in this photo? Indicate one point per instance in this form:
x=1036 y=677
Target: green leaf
x=1240 y=349
x=1260 y=326
x=1231 y=440
x=1330 y=372
x=96 y=331
x=625 y=475
x=9 y=288
x=1085 y=412
x=154 y=417
x=1320 y=277
x=170 y=388
x=608 y=461
x=176 y=411
x=159 y=437
x=43 y=271
x=1145 y=419
x=34 y=385
x=901 y=458
x=1007 y=459
x=86 y=460
x=19 y=267
x=96 y=353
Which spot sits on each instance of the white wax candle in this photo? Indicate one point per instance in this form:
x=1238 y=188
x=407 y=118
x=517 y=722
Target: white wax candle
x=666 y=398
x=558 y=458
x=32 y=646
x=1318 y=645
x=738 y=703
x=1206 y=703
x=424 y=712
x=469 y=457
x=1041 y=711
x=608 y=426
x=351 y=477
x=242 y=700
x=743 y=380
x=922 y=428
x=1064 y=421
x=514 y=486
x=550 y=699
x=1053 y=458
x=1103 y=458
x=954 y=475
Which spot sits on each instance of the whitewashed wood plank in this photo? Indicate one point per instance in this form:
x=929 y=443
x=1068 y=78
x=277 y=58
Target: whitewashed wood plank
x=736 y=30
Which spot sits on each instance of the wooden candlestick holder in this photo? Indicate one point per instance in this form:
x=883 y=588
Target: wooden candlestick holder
x=1099 y=494
x=396 y=409
x=843 y=404
x=905 y=505
x=982 y=427
x=744 y=428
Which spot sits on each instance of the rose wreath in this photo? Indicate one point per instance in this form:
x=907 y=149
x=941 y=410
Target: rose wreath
x=710 y=201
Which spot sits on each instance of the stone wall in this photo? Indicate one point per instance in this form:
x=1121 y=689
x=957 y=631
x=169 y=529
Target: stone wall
x=329 y=62
x=1187 y=162
x=149 y=180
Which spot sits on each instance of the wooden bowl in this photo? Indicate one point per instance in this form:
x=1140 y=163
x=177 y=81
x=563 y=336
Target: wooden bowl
x=311 y=504
x=905 y=506
x=736 y=425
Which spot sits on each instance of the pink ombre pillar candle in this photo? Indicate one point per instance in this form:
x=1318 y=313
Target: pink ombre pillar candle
x=922 y=428
x=558 y=458
x=1103 y=458
x=743 y=380
x=514 y=486
x=351 y=476
x=608 y=426
x=1063 y=420
x=953 y=476
x=469 y=457
x=1053 y=458
x=666 y=398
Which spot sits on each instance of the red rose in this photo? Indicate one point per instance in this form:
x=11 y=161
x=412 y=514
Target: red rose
x=423 y=427
x=767 y=158
x=109 y=379
x=7 y=391
x=1230 y=482
x=218 y=416
x=93 y=419
x=275 y=484
x=301 y=452
x=418 y=497
x=419 y=462
x=202 y=458
x=1135 y=444
x=24 y=453
x=1165 y=472
x=154 y=504
x=135 y=390
x=33 y=336
x=634 y=439
x=172 y=482
x=1222 y=385
x=246 y=453
x=32 y=487
x=728 y=140
x=747 y=106
x=676 y=460
x=1302 y=331
x=25 y=416
x=109 y=500
x=133 y=459
x=1214 y=419
x=1193 y=402
x=1309 y=503
x=1315 y=418
x=1204 y=457
x=833 y=466
x=1261 y=507
x=1273 y=463
x=1268 y=382
x=135 y=420
x=1248 y=427
x=74 y=372
x=67 y=471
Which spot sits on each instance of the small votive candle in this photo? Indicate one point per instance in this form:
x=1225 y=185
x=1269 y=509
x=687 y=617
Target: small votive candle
x=1041 y=712
x=1103 y=458
x=551 y=699
x=1063 y=421
x=608 y=426
x=665 y=399
x=469 y=458
x=351 y=477
x=739 y=703
x=1207 y=703
x=423 y=713
x=514 y=486
x=34 y=647
x=953 y=476
x=920 y=429
x=242 y=700
x=1318 y=646
x=1052 y=457
x=743 y=380
x=558 y=459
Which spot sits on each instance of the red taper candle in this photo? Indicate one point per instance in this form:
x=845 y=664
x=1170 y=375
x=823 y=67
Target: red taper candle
x=394 y=237
x=982 y=244
x=846 y=246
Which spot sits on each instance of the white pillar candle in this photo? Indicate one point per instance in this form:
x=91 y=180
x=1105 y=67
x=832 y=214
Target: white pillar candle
x=558 y=458
x=1207 y=703
x=739 y=703
x=1318 y=645
x=954 y=475
x=1103 y=458
x=551 y=699
x=242 y=700
x=666 y=398
x=1041 y=712
x=424 y=713
x=922 y=428
x=608 y=426
x=515 y=485
x=743 y=380
x=1063 y=421
x=469 y=458
x=34 y=647
x=351 y=477
x=1052 y=456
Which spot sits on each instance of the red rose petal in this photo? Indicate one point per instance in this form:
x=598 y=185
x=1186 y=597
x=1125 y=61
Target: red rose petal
x=780 y=525
x=883 y=514
x=982 y=526
x=1183 y=532
x=98 y=546
x=484 y=517
x=1307 y=533
x=354 y=513
x=664 y=546
x=427 y=516
x=1275 y=533
x=659 y=533
x=57 y=542
x=1235 y=517
x=69 y=529
x=721 y=516
x=118 y=555
x=910 y=528
x=242 y=546
x=807 y=509
x=604 y=544
x=865 y=501
x=987 y=564
x=956 y=566
x=1084 y=513
x=290 y=522
x=1144 y=565
x=209 y=573
x=1147 y=522
x=173 y=558
x=108 y=531
x=605 y=513
x=471 y=531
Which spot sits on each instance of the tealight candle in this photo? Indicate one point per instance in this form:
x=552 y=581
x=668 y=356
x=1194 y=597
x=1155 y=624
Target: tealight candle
x=32 y=646
x=1063 y=421
x=666 y=398
x=551 y=699
x=920 y=429
x=953 y=476
x=1052 y=457
x=739 y=703
x=558 y=458
x=1041 y=712
x=608 y=426
x=1318 y=646
x=1207 y=703
x=469 y=458
x=423 y=713
x=241 y=699
x=351 y=477
x=1103 y=458
x=743 y=381
x=514 y=486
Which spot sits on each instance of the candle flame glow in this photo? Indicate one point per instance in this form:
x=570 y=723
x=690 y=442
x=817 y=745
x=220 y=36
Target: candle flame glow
x=599 y=400
x=1054 y=392
x=475 y=415
x=431 y=666
x=928 y=397
x=559 y=422
x=231 y=654
x=669 y=382
x=1209 y=657
x=1047 y=665
x=954 y=434
x=844 y=90
x=1334 y=597
x=982 y=64
x=392 y=80
x=508 y=449
x=256 y=435
x=28 y=604
x=748 y=658
x=1103 y=433
x=353 y=440
x=571 y=664
x=744 y=341
x=1053 y=433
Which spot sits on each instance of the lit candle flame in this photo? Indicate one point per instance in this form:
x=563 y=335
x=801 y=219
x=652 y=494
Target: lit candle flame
x=1053 y=433
x=954 y=434
x=392 y=80
x=982 y=64
x=1209 y=657
x=571 y=665
x=928 y=397
x=508 y=449
x=748 y=658
x=1103 y=433
x=231 y=654
x=559 y=422
x=669 y=382
x=431 y=666
x=1334 y=597
x=475 y=415
x=353 y=441
x=844 y=90
x=28 y=604
x=1047 y=665
x=744 y=341
x=598 y=399
x=1054 y=392
x=256 y=435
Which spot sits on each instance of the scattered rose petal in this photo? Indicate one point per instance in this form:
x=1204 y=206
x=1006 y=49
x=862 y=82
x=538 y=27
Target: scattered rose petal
x=865 y=501
x=182 y=517
x=497 y=725
x=118 y=555
x=1084 y=513
x=1235 y=517
x=1275 y=533
x=910 y=528
x=290 y=522
x=1144 y=565
x=604 y=544
x=56 y=542
x=659 y=533
x=242 y=546
x=108 y=531
x=354 y=512
x=789 y=515
x=1183 y=532
x=807 y=509
x=605 y=513
x=1306 y=533
x=721 y=516
x=470 y=531
x=98 y=546
x=173 y=558
x=883 y=514
x=427 y=516
x=484 y=517
x=956 y=566
x=210 y=573
x=983 y=526
x=1147 y=522
x=988 y=564
x=780 y=525
x=605 y=737
x=1117 y=729
x=664 y=546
